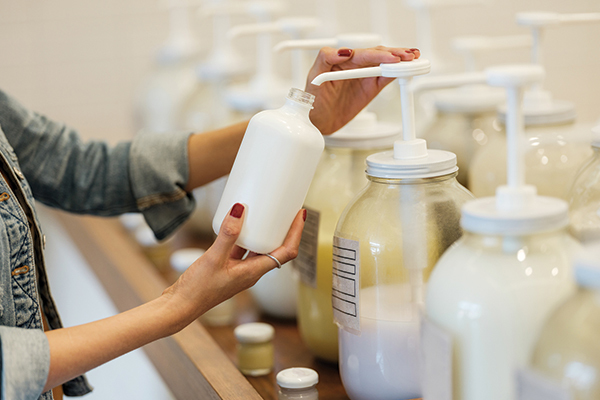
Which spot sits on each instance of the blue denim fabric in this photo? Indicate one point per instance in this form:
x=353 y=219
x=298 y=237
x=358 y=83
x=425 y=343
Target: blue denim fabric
x=47 y=161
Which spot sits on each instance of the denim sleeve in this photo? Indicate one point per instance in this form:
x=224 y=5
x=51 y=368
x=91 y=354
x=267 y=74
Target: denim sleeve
x=25 y=363
x=146 y=175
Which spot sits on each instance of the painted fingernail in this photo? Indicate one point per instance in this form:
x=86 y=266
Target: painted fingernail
x=304 y=214
x=237 y=210
x=344 y=52
x=413 y=50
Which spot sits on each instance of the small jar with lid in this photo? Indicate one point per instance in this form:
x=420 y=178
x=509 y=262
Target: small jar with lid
x=298 y=383
x=255 y=350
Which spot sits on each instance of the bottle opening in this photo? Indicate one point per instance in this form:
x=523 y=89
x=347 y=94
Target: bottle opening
x=301 y=96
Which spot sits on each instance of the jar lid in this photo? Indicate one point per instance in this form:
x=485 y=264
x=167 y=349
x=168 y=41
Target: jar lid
x=181 y=259
x=254 y=332
x=297 y=378
x=529 y=213
x=433 y=163
x=470 y=100
x=587 y=267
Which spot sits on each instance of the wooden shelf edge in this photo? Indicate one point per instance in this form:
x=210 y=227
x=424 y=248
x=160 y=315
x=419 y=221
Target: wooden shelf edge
x=190 y=362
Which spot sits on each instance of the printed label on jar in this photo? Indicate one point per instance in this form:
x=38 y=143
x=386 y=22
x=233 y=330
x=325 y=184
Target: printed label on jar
x=306 y=262
x=346 y=284
x=436 y=361
x=533 y=386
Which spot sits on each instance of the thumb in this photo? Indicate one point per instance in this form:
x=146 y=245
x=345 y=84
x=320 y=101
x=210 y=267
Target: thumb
x=230 y=230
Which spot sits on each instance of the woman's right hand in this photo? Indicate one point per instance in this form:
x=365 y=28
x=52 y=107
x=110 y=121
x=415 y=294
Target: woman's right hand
x=221 y=273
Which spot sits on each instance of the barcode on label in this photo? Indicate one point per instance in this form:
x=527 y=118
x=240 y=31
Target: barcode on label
x=306 y=262
x=346 y=283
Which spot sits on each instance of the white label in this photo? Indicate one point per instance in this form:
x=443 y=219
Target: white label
x=306 y=262
x=346 y=283
x=436 y=361
x=533 y=386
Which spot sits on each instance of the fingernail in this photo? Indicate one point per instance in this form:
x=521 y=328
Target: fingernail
x=410 y=51
x=344 y=52
x=304 y=214
x=413 y=50
x=237 y=210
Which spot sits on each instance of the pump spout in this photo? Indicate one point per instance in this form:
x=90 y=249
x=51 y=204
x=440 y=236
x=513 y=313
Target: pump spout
x=347 y=74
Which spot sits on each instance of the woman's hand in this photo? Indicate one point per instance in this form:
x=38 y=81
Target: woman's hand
x=337 y=102
x=221 y=273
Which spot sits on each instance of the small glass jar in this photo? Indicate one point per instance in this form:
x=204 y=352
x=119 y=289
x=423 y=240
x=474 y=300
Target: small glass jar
x=298 y=384
x=568 y=349
x=255 y=351
x=584 y=198
x=553 y=156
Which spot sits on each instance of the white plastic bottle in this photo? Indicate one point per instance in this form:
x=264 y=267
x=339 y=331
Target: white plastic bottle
x=272 y=172
x=491 y=292
x=386 y=242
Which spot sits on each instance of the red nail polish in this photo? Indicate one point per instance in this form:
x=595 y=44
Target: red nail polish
x=413 y=50
x=304 y=214
x=344 y=52
x=237 y=210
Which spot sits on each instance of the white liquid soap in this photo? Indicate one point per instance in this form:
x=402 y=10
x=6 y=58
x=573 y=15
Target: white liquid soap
x=272 y=172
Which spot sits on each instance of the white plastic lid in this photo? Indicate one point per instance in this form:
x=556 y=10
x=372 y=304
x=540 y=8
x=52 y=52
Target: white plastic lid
x=596 y=136
x=587 y=267
x=538 y=109
x=254 y=332
x=434 y=163
x=470 y=100
x=297 y=378
x=535 y=214
x=181 y=259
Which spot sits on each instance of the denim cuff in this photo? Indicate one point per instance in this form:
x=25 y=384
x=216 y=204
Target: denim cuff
x=25 y=362
x=159 y=169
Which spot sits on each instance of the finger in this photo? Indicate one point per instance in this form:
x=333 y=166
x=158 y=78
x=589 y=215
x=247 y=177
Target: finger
x=237 y=253
x=327 y=58
x=229 y=232
x=380 y=55
x=289 y=249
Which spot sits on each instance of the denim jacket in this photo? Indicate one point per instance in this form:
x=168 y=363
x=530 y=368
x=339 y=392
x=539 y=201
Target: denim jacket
x=46 y=161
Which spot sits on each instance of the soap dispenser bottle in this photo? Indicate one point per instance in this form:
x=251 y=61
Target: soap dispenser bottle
x=386 y=242
x=553 y=151
x=490 y=293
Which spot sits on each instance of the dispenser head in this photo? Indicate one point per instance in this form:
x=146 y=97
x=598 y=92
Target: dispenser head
x=516 y=209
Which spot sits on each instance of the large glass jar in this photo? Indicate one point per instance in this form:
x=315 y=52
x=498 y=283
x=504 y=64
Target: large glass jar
x=397 y=228
x=584 y=198
x=491 y=294
x=568 y=349
x=553 y=155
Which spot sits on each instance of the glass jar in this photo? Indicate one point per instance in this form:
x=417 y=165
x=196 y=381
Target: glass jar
x=397 y=228
x=298 y=384
x=255 y=351
x=491 y=294
x=339 y=177
x=584 y=199
x=568 y=349
x=552 y=158
x=462 y=134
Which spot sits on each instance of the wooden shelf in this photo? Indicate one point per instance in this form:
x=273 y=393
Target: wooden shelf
x=198 y=362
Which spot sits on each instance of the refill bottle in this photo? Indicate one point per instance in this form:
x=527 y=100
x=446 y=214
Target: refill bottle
x=491 y=292
x=567 y=353
x=584 y=197
x=386 y=242
x=272 y=172
x=339 y=177
x=553 y=151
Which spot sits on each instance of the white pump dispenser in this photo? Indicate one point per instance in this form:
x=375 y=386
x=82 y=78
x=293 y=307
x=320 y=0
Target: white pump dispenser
x=265 y=88
x=409 y=185
x=489 y=294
